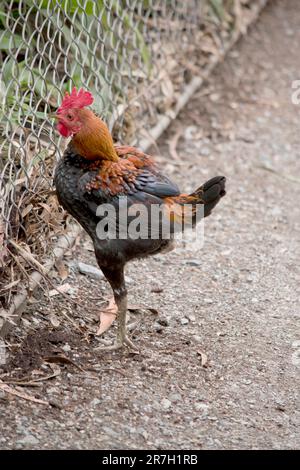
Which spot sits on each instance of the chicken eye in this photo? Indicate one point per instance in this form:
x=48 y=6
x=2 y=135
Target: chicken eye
x=70 y=117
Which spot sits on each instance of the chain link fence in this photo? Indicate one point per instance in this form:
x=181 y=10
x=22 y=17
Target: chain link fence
x=135 y=56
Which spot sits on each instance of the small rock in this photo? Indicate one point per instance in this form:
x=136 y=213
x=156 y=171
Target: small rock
x=166 y=404
x=158 y=328
x=63 y=289
x=90 y=270
x=192 y=262
x=205 y=152
x=55 y=403
x=175 y=397
x=201 y=407
x=54 y=320
x=143 y=433
x=280 y=407
x=184 y=321
x=197 y=338
x=214 y=97
x=163 y=321
x=189 y=132
x=66 y=347
x=157 y=290
x=247 y=381
x=52 y=390
x=3 y=355
x=95 y=402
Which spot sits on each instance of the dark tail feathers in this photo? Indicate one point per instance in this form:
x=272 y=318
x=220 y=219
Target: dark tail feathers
x=210 y=193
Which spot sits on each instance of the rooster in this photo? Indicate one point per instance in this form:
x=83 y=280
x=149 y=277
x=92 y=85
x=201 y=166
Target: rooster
x=94 y=173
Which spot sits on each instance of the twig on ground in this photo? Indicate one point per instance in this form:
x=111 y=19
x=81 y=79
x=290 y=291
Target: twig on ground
x=6 y=388
x=62 y=359
x=112 y=369
x=280 y=174
x=28 y=257
x=173 y=145
x=28 y=382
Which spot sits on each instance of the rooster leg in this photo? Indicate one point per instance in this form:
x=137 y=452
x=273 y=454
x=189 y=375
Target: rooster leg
x=117 y=282
x=107 y=316
x=122 y=337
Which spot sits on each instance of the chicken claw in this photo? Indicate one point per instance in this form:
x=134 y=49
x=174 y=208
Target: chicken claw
x=118 y=345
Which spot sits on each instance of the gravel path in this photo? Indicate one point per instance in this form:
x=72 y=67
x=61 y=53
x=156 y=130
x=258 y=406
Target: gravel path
x=219 y=366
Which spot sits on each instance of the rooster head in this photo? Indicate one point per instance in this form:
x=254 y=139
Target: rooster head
x=90 y=135
x=71 y=114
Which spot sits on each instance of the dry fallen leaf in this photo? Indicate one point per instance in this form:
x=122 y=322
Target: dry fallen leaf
x=10 y=285
x=173 y=145
x=62 y=359
x=62 y=269
x=27 y=210
x=63 y=289
x=6 y=388
x=54 y=320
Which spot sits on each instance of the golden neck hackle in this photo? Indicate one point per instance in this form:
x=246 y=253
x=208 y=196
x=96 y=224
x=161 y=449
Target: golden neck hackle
x=94 y=140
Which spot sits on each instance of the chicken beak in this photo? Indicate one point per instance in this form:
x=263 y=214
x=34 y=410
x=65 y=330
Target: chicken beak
x=54 y=116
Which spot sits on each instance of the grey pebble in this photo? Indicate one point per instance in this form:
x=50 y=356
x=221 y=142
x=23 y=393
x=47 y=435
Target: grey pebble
x=163 y=321
x=90 y=270
x=95 y=402
x=192 y=262
x=166 y=404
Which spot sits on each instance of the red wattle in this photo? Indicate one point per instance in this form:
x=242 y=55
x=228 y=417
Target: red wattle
x=63 y=130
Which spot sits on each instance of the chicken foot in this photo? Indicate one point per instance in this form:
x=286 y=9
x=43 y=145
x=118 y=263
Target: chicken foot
x=117 y=308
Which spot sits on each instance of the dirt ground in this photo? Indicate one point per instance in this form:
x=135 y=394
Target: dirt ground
x=219 y=362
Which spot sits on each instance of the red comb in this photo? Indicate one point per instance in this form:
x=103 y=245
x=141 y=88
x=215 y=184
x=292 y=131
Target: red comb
x=76 y=99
